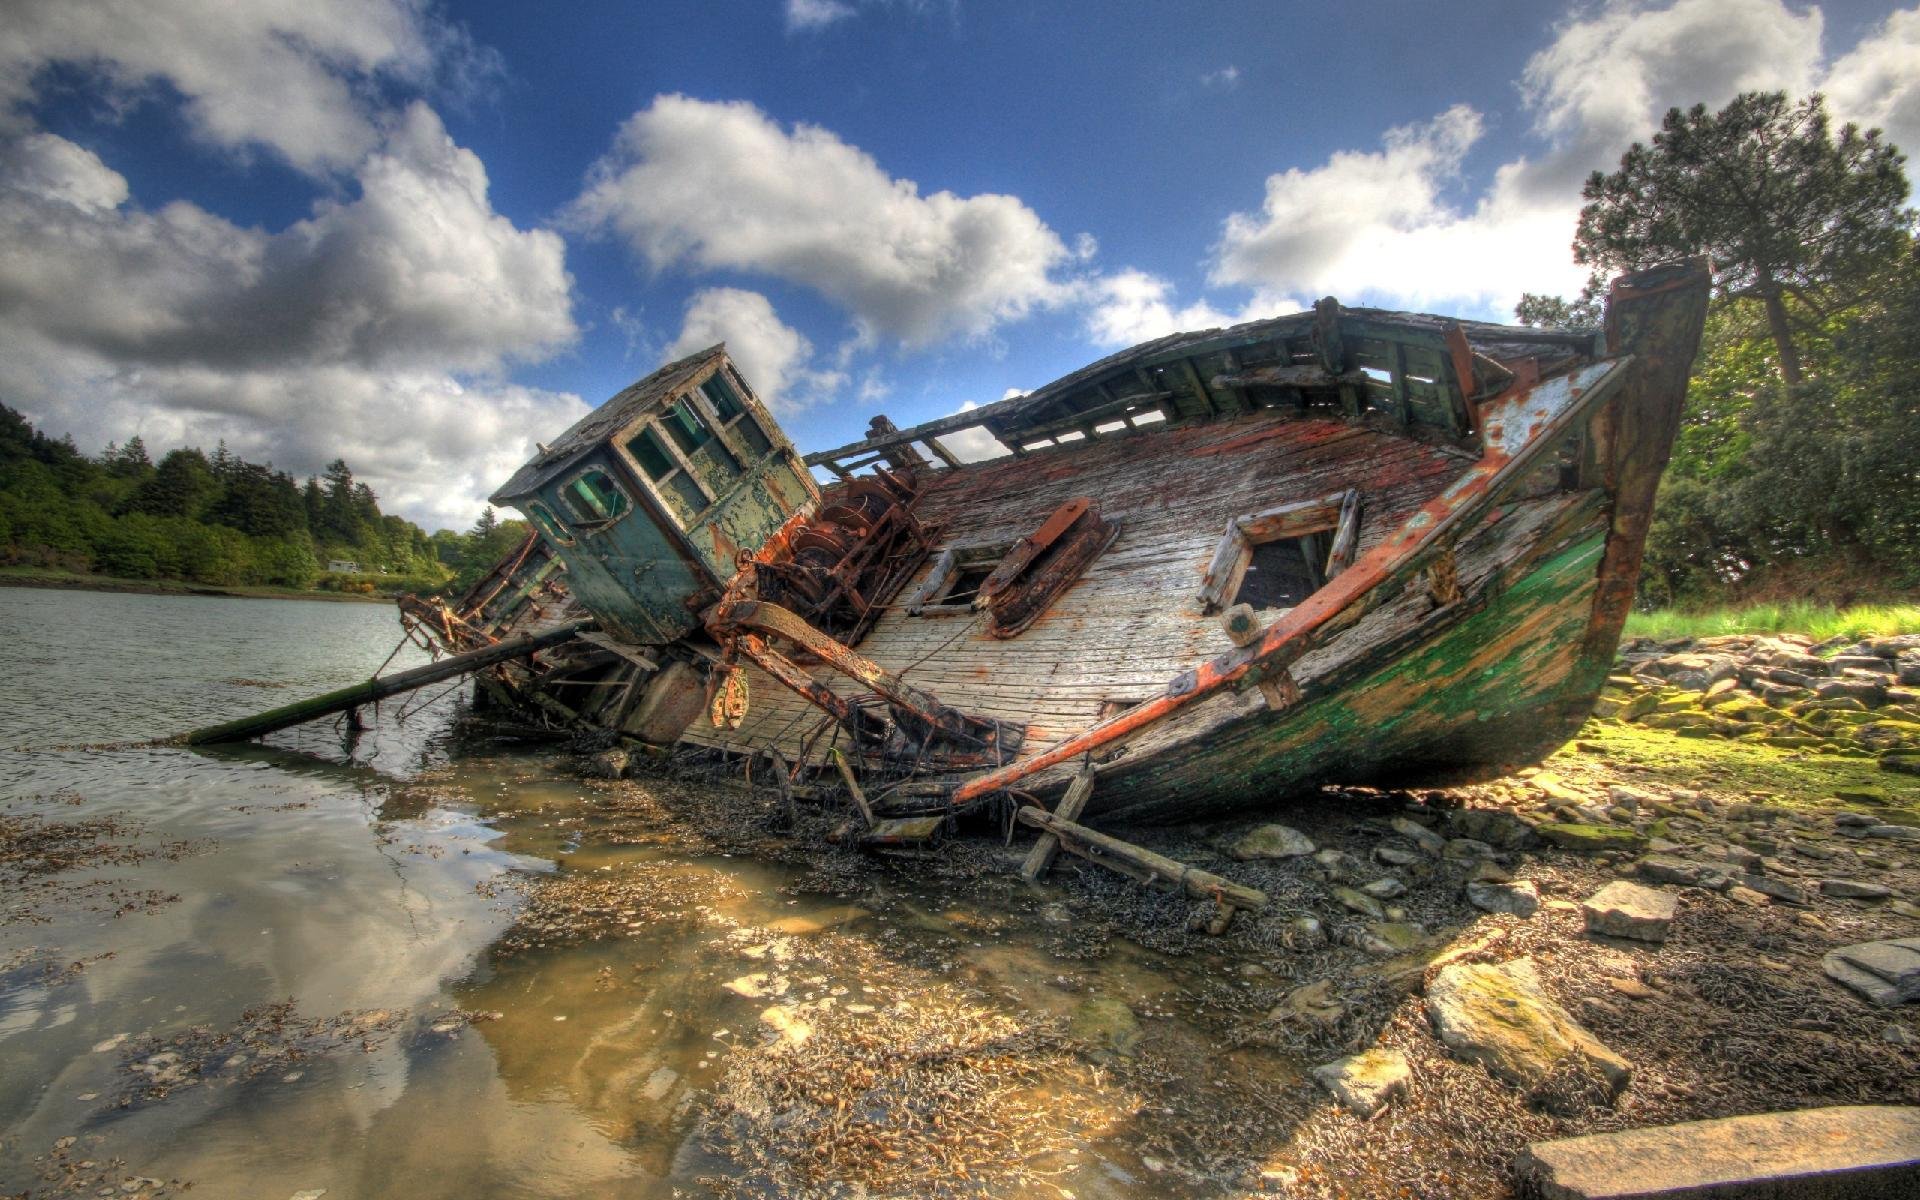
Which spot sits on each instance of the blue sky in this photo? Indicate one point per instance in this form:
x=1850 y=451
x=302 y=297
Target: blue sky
x=426 y=235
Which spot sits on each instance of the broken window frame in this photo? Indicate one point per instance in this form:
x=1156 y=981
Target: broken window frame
x=600 y=519
x=548 y=522
x=667 y=489
x=928 y=600
x=733 y=395
x=1338 y=513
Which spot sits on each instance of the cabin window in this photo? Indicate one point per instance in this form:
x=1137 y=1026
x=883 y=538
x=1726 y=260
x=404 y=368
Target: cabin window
x=733 y=414
x=594 y=498
x=544 y=520
x=679 y=489
x=1277 y=557
x=1282 y=573
x=694 y=436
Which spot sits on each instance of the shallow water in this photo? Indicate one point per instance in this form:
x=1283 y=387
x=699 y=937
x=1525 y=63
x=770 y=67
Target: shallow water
x=345 y=874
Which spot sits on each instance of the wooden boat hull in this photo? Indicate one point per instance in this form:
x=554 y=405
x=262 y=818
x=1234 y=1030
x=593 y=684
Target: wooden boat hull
x=1501 y=521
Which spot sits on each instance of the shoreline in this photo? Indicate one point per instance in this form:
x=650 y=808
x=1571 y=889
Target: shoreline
x=163 y=587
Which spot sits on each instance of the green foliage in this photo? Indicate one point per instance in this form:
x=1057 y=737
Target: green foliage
x=1556 y=312
x=1783 y=207
x=1767 y=478
x=216 y=520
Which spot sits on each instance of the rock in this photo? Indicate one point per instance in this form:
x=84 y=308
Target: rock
x=1337 y=864
x=1466 y=850
x=1385 y=889
x=1500 y=1017
x=1361 y=903
x=1522 y=899
x=1305 y=933
x=1884 y=972
x=608 y=764
x=1854 y=889
x=1493 y=826
x=1678 y=871
x=1905 y=764
x=1272 y=841
x=1861 y=662
x=1313 y=1002
x=1393 y=856
x=1778 y=889
x=1868 y=692
x=1387 y=938
x=1627 y=910
x=1899 y=833
x=1106 y=1023
x=787 y=1024
x=1057 y=914
x=1366 y=1082
x=1748 y=896
x=1419 y=835
x=1691 y=672
x=1590 y=837
x=1865 y=1152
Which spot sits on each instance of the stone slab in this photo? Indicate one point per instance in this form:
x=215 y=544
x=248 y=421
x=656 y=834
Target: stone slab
x=1627 y=910
x=1866 y=1152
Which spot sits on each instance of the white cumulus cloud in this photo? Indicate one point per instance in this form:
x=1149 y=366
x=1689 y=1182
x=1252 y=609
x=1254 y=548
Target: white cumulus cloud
x=720 y=186
x=1132 y=306
x=376 y=328
x=296 y=76
x=1402 y=225
x=1877 y=84
x=775 y=358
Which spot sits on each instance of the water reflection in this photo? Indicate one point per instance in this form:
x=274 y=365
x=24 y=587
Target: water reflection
x=380 y=874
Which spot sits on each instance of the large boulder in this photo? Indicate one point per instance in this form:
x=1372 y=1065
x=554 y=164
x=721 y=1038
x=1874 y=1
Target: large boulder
x=1521 y=898
x=1499 y=1015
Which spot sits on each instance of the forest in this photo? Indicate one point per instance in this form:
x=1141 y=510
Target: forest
x=217 y=520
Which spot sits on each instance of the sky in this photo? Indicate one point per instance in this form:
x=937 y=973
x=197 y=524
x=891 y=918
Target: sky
x=425 y=235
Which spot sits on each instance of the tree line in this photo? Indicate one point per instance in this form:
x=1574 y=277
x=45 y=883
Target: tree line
x=1797 y=467
x=217 y=519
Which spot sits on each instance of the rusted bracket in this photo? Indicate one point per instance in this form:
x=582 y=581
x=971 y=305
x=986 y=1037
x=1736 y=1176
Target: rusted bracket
x=1043 y=565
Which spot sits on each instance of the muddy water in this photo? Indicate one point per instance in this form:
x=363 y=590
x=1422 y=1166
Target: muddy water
x=435 y=1043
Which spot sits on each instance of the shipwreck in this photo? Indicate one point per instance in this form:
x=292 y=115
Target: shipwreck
x=1206 y=573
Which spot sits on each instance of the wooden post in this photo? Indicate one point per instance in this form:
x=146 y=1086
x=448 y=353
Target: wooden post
x=381 y=686
x=853 y=785
x=1041 y=856
x=1111 y=851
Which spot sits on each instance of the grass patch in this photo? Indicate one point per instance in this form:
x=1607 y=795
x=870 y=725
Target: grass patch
x=1818 y=621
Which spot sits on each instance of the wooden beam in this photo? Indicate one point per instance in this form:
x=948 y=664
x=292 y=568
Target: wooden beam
x=972 y=418
x=853 y=785
x=941 y=452
x=1069 y=808
x=1199 y=388
x=1107 y=850
x=381 y=686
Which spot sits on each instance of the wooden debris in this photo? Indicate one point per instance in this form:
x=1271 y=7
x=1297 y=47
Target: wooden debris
x=1108 y=850
x=1071 y=804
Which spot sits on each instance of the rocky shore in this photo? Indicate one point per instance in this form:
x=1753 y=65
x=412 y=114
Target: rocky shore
x=1703 y=908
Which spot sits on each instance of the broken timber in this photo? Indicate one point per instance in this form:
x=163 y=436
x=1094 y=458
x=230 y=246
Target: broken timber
x=1108 y=850
x=1041 y=856
x=382 y=686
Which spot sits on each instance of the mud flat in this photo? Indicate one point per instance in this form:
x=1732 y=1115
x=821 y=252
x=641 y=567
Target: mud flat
x=730 y=1003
